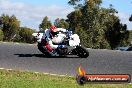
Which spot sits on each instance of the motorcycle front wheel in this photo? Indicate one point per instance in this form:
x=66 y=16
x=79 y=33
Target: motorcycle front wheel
x=81 y=52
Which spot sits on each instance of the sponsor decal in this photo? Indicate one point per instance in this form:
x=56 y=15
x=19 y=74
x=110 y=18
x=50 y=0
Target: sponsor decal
x=83 y=78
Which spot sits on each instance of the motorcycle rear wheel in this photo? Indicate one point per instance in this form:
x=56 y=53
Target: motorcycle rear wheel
x=44 y=51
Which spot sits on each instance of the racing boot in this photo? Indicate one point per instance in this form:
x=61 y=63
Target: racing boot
x=54 y=53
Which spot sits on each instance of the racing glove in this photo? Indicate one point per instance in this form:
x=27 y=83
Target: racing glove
x=61 y=46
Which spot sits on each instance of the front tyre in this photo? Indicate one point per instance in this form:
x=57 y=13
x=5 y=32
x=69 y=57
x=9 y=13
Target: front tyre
x=81 y=52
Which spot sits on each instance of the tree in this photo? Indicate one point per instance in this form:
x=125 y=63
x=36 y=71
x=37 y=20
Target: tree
x=10 y=26
x=45 y=24
x=130 y=36
x=117 y=35
x=73 y=2
x=85 y=20
x=1 y=35
x=80 y=3
x=26 y=35
x=95 y=23
x=61 y=23
x=74 y=19
x=130 y=19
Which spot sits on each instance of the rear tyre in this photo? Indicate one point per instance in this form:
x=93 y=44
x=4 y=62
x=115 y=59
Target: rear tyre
x=44 y=51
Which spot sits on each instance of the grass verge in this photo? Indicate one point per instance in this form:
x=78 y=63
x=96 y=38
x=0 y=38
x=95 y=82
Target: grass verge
x=18 y=79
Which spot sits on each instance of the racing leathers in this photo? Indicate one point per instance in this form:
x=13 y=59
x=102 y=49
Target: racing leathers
x=48 y=36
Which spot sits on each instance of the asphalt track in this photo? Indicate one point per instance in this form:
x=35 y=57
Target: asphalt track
x=26 y=57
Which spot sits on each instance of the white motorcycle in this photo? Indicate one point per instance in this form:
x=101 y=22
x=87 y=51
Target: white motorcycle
x=69 y=39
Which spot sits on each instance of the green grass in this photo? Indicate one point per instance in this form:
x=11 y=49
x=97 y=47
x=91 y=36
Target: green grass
x=18 y=79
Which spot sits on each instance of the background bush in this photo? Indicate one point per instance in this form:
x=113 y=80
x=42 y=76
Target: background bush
x=1 y=35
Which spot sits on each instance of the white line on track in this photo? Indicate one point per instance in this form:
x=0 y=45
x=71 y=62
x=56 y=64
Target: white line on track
x=1 y=68
x=17 y=43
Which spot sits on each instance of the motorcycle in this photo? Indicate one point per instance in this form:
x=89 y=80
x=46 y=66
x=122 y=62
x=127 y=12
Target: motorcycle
x=71 y=40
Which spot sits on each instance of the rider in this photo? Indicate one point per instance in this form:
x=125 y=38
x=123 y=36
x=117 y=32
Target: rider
x=48 y=36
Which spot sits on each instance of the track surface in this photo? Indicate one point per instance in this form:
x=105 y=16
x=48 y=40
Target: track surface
x=28 y=58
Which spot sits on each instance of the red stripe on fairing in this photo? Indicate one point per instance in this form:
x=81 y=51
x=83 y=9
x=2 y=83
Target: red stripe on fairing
x=49 y=48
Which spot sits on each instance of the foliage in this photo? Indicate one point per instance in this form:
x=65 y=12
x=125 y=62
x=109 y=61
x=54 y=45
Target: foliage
x=61 y=23
x=1 y=35
x=10 y=26
x=26 y=35
x=45 y=24
x=74 y=19
x=130 y=19
x=117 y=35
x=95 y=24
x=130 y=36
x=81 y=3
